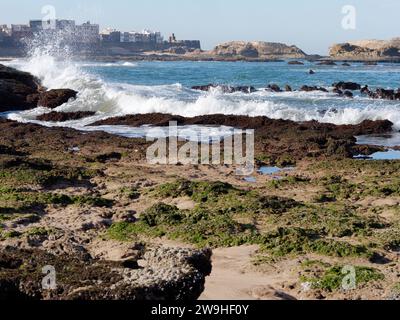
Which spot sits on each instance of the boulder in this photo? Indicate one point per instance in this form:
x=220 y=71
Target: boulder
x=288 y=88
x=365 y=90
x=338 y=91
x=54 y=98
x=312 y=88
x=18 y=90
x=274 y=88
x=348 y=94
x=168 y=274
x=347 y=86
x=22 y=91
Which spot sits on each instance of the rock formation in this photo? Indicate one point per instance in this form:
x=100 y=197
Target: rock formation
x=64 y=116
x=173 y=274
x=22 y=91
x=258 y=49
x=378 y=50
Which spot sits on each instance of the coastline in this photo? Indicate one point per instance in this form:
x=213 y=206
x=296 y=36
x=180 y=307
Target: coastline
x=91 y=201
x=214 y=58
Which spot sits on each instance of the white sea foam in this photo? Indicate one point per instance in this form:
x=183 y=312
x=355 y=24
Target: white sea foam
x=113 y=99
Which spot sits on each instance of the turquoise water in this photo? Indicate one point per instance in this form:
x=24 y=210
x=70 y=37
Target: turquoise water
x=243 y=73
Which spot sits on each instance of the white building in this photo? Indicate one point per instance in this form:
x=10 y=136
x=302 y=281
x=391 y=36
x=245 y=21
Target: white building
x=145 y=36
x=5 y=30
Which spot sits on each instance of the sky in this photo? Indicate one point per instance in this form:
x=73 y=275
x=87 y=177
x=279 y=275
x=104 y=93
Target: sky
x=312 y=25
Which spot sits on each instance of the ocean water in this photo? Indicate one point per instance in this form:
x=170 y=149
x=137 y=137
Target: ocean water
x=120 y=88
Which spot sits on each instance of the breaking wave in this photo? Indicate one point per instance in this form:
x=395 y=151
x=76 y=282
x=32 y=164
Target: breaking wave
x=114 y=98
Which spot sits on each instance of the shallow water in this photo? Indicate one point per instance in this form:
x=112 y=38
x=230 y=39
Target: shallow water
x=274 y=170
x=386 y=140
x=388 y=155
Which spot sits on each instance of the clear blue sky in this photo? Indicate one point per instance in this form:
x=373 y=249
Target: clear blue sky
x=313 y=25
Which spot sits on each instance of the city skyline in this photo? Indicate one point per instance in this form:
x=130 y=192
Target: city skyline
x=304 y=24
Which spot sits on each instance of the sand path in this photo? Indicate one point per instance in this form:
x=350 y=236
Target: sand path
x=233 y=277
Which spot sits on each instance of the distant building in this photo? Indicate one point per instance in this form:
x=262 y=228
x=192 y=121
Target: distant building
x=36 y=25
x=87 y=33
x=20 y=31
x=5 y=33
x=68 y=25
x=110 y=35
x=87 y=36
x=191 y=44
x=146 y=36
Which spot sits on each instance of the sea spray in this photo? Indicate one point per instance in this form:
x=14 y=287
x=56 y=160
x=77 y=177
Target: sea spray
x=119 y=88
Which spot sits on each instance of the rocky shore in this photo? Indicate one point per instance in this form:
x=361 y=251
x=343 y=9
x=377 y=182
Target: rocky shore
x=114 y=226
x=282 y=140
x=91 y=202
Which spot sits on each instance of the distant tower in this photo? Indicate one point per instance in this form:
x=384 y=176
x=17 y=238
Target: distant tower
x=172 y=39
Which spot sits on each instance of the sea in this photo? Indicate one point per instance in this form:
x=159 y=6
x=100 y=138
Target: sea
x=124 y=87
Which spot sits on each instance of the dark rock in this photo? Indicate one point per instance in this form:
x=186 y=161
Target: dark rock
x=274 y=88
x=296 y=63
x=385 y=94
x=365 y=90
x=55 y=98
x=313 y=88
x=18 y=90
x=172 y=274
x=288 y=88
x=347 y=86
x=311 y=72
x=346 y=64
x=348 y=94
x=279 y=137
x=22 y=91
x=327 y=63
x=64 y=116
x=338 y=91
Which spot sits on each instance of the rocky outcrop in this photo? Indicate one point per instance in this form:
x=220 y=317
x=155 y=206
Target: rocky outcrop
x=18 y=90
x=277 y=137
x=22 y=91
x=258 y=49
x=295 y=63
x=347 y=86
x=65 y=116
x=54 y=98
x=376 y=50
x=381 y=93
x=312 y=88
x=167 y=274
